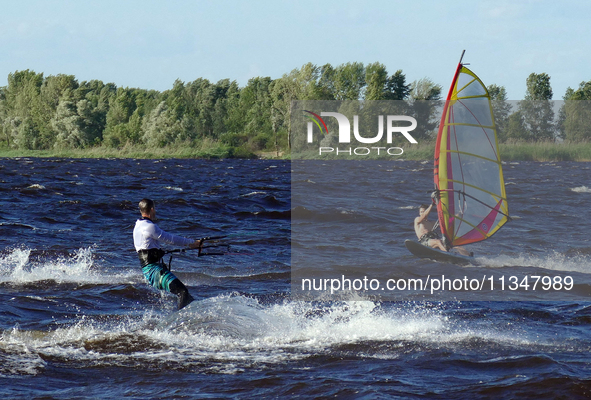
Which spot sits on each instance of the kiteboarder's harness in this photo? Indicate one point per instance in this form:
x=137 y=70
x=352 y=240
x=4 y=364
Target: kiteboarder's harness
x=150 y=256
x=154 y=256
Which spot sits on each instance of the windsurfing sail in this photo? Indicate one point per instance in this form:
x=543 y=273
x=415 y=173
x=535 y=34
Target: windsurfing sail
x=468 y=172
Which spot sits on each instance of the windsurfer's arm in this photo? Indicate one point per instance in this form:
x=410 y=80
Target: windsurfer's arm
x=423 y=217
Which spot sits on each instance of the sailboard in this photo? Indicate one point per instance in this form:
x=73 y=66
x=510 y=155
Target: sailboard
x=468 y=172
x=422 y=251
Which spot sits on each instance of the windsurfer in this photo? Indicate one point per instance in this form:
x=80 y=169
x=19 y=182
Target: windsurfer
x=424 y=229
x=147 y=237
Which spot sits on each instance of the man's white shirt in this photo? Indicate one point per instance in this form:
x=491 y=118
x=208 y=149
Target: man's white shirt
x=147 y=235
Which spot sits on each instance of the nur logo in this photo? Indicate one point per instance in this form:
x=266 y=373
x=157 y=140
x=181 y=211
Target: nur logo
x=345 y=132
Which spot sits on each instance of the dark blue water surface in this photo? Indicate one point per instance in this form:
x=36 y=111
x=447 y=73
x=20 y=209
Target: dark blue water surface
x=77 y=319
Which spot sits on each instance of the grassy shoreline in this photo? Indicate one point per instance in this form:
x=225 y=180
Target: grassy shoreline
x=207 y=150
x=544 y=152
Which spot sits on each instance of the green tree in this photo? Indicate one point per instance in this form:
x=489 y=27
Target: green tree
x=575 y=114
x=396 y=87
x=256 y=103
x=376 y=80
x=425 y=100
x=68 y=125
x=227 y=97
x=51 y=91
x=501 y=109
x=120 y=129
x=516 y=129
x=5 y=136
x=161 y=127
x=349 y=81
x=22 y=109
x=326 y=83
x=299 y=84
x=94 y=112
x=196 y=105
x=536 y=108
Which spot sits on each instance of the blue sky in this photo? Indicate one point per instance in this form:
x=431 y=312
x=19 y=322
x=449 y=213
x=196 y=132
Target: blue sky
x=149 y=44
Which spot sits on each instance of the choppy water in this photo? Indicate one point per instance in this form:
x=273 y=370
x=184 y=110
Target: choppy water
x=77 y=319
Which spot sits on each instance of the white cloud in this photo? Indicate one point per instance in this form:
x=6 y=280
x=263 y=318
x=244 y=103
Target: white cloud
x=503 y=9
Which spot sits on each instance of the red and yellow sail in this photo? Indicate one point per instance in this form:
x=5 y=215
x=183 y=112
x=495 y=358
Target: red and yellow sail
x=468 y=170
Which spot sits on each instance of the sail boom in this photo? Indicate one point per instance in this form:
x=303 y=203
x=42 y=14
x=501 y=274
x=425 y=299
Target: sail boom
x=492 y=194
x=477 y=188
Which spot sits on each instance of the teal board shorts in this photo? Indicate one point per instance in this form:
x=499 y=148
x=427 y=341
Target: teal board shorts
x=158 y=276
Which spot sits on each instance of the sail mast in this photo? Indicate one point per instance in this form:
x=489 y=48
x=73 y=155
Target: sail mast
x=441 y=215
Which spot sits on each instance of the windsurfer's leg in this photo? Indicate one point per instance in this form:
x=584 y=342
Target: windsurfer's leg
x=436 y=244
x=177 y=287
x=462 y=251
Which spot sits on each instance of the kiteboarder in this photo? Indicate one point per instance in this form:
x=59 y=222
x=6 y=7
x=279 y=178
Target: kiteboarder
x=147 y=237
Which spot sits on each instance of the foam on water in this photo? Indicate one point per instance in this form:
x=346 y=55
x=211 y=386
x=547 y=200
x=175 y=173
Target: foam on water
x=36 y=186
x=17 y=267
x=253 y=194
x=554 y=261
x=16 y=360
x=581 y=189
x=239 y=331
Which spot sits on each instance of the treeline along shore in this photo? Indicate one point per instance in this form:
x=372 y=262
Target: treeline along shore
x=57 y=116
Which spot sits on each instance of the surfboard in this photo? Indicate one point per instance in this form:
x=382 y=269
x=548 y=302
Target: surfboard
x=437 y=255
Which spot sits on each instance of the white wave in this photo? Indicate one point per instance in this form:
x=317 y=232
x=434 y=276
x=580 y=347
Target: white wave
x=252 y=194
x=177 y=189
x=581 y=189
x=17 y=267
x=554 y=261
x=232 y=331
x=16 y=359
x=13 y=263
x=36 y=186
